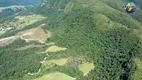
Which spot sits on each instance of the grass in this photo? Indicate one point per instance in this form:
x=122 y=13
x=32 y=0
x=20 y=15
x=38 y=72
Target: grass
x=86 y=67
x=59 y=61
x=138 y=72
x=20 y=22
x=34 y=34
x=27 y=20
x=37 y=34
x=56 y=76
x=55 y=49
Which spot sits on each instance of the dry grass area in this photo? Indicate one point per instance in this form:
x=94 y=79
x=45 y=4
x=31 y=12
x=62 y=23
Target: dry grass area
x=86 y=67
x=45 y=77
x=35 y=34
x=55 y=49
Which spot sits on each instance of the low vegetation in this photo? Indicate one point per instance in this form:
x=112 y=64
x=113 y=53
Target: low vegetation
x=56 y=76
x=86 y=68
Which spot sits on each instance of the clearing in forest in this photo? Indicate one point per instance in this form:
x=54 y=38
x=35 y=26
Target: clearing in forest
x=59 y=61
x=56 y=76
x=35 y=34
x=22 y=21
x=86 y=67
x=55 y=49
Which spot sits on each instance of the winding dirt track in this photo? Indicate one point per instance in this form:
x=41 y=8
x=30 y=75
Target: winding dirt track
x=13 y=37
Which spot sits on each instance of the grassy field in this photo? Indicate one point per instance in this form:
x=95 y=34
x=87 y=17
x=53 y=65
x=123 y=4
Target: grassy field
x=35 y=34
x=59 y=61
x=138 y=72
x=56 y=76
x=55 y=49
x=86 y=67
x=20 y=22
x=23 y=21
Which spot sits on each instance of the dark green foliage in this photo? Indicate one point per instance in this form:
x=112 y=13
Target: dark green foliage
x=15 y=64
x=8 y=12
x=109 y=49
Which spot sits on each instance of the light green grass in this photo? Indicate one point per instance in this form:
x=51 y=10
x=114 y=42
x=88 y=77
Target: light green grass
x=138 y=72
x=86 y=67
x=36 y=34
x=27 y=20
x=59 y=61
x=55 y=49
x=56 y=76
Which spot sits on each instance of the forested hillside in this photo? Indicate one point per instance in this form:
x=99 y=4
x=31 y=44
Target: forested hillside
x=74 y=40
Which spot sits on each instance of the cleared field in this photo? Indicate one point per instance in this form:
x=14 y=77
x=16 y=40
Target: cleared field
x=86 y=67
x=56 y=76
x=55 y=49
x=59 y=61
x=45 y=77
x=35 y=34
x=50 y=43
x=23 y=21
